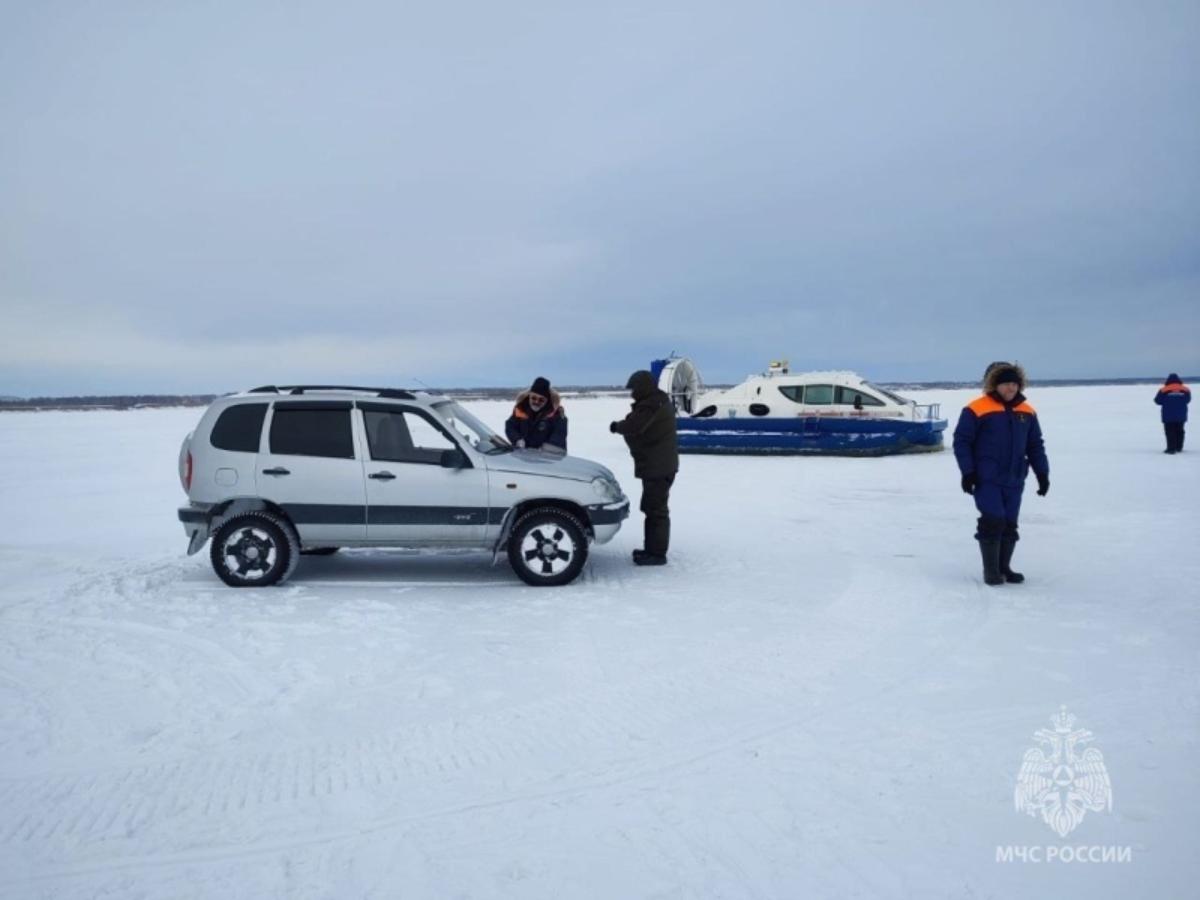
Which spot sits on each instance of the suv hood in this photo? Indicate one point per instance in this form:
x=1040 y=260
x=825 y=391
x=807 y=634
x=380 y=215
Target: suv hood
x=535 y=462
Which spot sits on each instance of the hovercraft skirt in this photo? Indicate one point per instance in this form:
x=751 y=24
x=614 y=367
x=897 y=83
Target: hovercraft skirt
x=808 y=436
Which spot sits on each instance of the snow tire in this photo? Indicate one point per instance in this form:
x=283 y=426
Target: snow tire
x=254 y=549
x=547 y=547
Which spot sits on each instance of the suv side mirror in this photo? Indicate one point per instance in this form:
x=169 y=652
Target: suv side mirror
x=454 y=459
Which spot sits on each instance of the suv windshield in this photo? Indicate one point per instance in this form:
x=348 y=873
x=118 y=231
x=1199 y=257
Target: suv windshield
x=475 y=432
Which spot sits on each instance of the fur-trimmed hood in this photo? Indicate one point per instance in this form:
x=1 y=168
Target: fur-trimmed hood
x=989 y=377
x=555 y=400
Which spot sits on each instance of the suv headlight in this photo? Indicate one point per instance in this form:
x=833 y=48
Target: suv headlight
x=606 y=489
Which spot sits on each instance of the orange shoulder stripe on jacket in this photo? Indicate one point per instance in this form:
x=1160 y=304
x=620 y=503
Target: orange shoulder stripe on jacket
x=521 y=414
x=1173 y=387
x=984 y=405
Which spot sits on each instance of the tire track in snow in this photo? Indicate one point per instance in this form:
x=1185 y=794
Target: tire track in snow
x=541 y=792
x=235 y=670
x=616 y=733
x=612 y=723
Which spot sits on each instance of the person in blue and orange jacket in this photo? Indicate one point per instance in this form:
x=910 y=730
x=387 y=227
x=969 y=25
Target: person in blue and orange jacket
x=997 y=441
x=1174 y=398
x=538 y=421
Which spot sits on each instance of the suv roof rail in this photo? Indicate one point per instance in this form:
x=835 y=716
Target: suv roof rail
x=390 y=393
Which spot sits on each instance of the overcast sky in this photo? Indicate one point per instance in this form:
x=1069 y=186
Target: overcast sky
x=202 y=196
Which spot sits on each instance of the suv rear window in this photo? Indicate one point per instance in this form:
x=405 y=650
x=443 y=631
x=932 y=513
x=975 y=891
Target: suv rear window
x=312 y=429
x=239 y=428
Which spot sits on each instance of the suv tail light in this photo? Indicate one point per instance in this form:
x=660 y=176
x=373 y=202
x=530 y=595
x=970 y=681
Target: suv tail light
x=187 y=472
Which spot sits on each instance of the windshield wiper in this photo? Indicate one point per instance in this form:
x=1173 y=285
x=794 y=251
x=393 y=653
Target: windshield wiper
x=501 y=445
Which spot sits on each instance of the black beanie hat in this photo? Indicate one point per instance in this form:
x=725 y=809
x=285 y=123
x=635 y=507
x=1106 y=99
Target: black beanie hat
x=1006 y=375
x=540 y=386
x=641 y=384
x=1172 y=378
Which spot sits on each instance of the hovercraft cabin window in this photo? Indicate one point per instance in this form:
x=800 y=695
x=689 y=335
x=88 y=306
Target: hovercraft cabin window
x=818 y=394
x=847 y=396
x=895 y=398
x=811 y=395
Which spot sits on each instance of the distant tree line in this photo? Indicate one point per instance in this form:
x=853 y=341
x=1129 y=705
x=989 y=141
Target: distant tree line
x=121 y=401
x=140 y=401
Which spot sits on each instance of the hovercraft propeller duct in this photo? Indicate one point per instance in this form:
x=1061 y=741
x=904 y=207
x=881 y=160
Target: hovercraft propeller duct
x=678 y=377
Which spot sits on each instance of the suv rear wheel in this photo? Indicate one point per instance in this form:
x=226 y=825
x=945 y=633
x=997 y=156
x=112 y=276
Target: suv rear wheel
x=547 y=547
x=255 y=549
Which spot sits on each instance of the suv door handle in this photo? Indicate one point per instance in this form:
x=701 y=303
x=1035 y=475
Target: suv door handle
x=278 y=470
x=382 y=476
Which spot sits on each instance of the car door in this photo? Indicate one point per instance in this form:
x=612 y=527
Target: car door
x=311 y=467
x=422 y=486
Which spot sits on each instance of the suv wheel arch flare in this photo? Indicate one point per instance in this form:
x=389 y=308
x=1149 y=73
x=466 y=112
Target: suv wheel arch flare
x=236 y=506
x=515 y=512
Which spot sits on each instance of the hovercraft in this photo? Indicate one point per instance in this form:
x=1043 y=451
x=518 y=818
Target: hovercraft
x=781 y=412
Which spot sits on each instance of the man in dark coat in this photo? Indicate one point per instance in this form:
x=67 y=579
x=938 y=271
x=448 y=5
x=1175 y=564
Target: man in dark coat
x=538 y=421
x=1174 y=398
x=997 y=441
x=649 y=430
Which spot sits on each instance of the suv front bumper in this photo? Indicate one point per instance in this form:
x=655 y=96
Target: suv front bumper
x=606 y=519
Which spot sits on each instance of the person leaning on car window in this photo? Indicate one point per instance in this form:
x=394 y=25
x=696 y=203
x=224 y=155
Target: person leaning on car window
x=538 y=421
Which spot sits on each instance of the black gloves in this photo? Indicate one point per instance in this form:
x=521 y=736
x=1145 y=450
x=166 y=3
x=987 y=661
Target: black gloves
x=969 y=482
x=612 y=426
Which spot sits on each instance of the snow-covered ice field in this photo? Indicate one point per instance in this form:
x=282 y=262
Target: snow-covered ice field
x=817 y=698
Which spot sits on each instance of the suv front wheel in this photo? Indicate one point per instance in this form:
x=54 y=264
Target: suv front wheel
x=547 y=547
x=254 y=550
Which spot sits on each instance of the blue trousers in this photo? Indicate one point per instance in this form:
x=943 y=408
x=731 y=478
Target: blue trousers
x=999 y=508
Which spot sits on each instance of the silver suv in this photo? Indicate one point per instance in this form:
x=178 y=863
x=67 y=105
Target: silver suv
x=277 y=472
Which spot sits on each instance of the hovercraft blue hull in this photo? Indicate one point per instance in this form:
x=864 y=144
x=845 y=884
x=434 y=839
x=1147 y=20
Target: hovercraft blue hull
x=827 y=436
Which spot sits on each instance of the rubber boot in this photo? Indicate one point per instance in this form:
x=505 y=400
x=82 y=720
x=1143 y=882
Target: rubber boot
x=990 y=551
x=1006 y=551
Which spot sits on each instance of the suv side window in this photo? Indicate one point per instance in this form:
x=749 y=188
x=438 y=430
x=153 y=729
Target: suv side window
x=312 y=429
x=404 y=436
x=239 y=428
